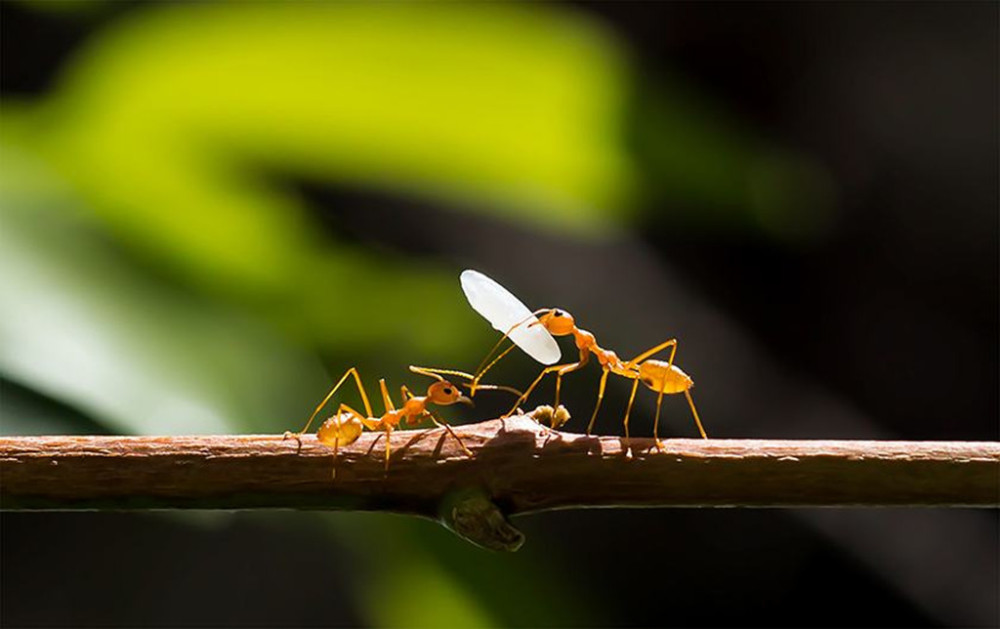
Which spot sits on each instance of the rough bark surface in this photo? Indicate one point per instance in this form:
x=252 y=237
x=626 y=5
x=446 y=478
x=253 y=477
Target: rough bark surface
x=518 y=465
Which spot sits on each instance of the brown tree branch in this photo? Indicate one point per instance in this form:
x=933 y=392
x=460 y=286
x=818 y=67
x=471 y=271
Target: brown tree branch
x=517 y=467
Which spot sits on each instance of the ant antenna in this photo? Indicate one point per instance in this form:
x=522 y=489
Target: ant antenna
x=434 y=371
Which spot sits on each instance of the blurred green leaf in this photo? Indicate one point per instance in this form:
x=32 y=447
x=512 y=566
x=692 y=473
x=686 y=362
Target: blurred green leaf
x=403 y=593
x=516 y=109
x=428 y=577
x=164 y=122
x=25 y=412
x=708 y=167
x=79 y=325
x=150 y=161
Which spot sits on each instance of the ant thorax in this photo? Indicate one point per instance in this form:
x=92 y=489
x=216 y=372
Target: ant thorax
x=607 y=358
x=414 y=406
x=585 y=340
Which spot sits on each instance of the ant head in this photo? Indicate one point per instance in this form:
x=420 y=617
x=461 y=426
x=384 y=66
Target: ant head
x=444 y=393
x=557 y=322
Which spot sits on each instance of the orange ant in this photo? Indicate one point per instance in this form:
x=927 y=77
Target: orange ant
x=345 y=427
x=663 y=377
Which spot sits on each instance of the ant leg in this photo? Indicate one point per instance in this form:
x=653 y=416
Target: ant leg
x=656 y=423
x=600 y=396
x=560 y=369
x=628 y=411
x=386 y=400
x=353 y=371
x=524 y=396
x=694 y=412
x=481 y=370
x=366 y=422
x=440 y=423
x=672 y=343
x=388 y=439
x=563 y=372
x=336 y=449
x=527 y=392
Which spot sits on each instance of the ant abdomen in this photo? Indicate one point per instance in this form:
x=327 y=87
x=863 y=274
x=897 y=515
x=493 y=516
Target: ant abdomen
x=662 y=377
x=339 y=430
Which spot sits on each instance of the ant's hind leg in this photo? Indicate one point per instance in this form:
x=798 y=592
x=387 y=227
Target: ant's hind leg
x=656 y=423
x=336 y=448
x=694 y=412
x=672 y=344
x=341 y=434
x=298 y=439
x=628 y=410
x=353 y=371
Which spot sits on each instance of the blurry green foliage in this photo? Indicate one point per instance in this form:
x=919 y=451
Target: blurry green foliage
x=708 y=168
x=523 y=589
x=164 y=122
x=155 y=282
x=153 y=141
x=80 y=325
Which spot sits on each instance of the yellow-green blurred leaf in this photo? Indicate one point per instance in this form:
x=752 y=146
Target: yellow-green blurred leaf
x=80 y=326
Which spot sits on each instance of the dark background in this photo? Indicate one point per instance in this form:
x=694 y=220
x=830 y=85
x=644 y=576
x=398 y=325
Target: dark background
x=876 y=320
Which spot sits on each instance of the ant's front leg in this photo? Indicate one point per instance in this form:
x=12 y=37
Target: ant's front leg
x=584 y=358
x=560 y=371
x=527 y=392
x=441 y=423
